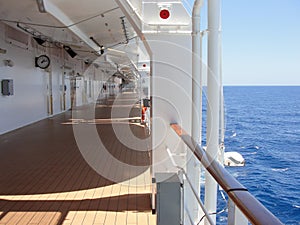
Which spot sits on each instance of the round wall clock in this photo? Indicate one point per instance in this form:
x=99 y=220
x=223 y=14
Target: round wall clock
x=42 y=61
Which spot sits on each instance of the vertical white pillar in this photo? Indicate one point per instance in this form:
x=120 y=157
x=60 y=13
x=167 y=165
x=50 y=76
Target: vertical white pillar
x=222 y=109
x=50 y=93
x=197 y=78
x=171 y=84
x=193 y=167
x=213 y=98
x=63 y=91
x=235 y=216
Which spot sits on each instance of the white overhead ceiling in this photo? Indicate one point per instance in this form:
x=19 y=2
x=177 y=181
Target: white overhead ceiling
x=100 y=19
x=104 y=24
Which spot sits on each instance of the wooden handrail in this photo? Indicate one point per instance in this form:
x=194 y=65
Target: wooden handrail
x=256 y=213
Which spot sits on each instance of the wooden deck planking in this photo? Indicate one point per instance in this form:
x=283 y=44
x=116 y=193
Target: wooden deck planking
x=46 y=180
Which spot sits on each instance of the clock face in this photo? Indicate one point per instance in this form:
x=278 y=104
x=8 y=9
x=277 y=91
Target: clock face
x=42 y=61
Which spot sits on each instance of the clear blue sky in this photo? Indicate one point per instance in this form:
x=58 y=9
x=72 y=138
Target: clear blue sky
x=261 y=42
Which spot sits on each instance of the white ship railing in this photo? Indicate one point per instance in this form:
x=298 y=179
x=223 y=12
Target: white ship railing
x=249 y=206
x=191 y=186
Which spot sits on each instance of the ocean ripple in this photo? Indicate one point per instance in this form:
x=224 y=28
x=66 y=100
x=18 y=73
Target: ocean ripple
x=268 y=138
x=280 y=169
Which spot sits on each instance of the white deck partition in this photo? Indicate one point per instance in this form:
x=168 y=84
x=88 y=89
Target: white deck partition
x=171 y=102
x=165 y=27
x=170 y=41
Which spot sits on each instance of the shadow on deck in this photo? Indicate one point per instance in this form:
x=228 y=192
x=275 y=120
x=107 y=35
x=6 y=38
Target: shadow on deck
x=46 y=179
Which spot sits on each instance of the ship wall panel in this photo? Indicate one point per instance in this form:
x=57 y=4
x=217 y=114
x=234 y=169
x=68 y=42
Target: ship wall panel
x=28 y=104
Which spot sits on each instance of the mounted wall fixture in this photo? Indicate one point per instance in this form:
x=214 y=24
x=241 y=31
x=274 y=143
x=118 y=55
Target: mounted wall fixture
x=2 y=51
x=39 y=40
x=124 y=29
x=35 y=33
x=41 y=6
x=7 y=87
x=97 y=43
x=70 y=51
x=8 y=62
x=42 y=61
x=164 y=14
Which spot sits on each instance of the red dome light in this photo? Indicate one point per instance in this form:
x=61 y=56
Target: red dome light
x=164 y=14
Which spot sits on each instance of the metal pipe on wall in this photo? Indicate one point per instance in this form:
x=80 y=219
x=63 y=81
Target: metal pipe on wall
x=196 y=73
x=63 y=91
x=50 y=93
x=193 y=167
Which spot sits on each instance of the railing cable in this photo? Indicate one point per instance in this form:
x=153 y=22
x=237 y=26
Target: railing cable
x=256 y=213
x=191 y=186
x=216 y=213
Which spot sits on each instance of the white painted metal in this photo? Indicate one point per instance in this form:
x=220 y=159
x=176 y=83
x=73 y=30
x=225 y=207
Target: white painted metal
x=196 y=71
x=194 y=191
x=171 y=54
x=30 y=84
x=171 y=96
x=178 y=14
x=136 y=6
x=63 y=86
x=68 y=93
x=63 y=83
x=63 y=92
x=50 y=92
x=171 y=93
x=171 y=82
x=222 y=107
x=61 y=16
x=213 y=98
x=179 y=20
x=133 y=17
x=194 y=168
x=235 y=216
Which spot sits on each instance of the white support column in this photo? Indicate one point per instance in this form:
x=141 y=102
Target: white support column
x=222 y=108
x=193 y=167
x=50 y=93
x=213 y=98
x=197 y=76
x=63 y=91
x=235 y=216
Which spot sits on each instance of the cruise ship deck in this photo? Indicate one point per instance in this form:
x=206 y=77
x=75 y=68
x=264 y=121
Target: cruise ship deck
x=122 y=91
x=44 y=178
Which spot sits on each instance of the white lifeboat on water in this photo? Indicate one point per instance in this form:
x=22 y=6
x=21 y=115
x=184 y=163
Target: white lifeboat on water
x=233 y=159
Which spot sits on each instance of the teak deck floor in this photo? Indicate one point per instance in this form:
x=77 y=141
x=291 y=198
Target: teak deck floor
x=44 y=178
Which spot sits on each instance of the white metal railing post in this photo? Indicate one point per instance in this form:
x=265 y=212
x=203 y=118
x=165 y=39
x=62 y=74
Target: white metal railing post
x=235 y=216
x=213 y=100
x=187 y=180
x=252 y=209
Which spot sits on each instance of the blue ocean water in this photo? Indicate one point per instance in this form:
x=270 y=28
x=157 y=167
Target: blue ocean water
x=263 y=124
